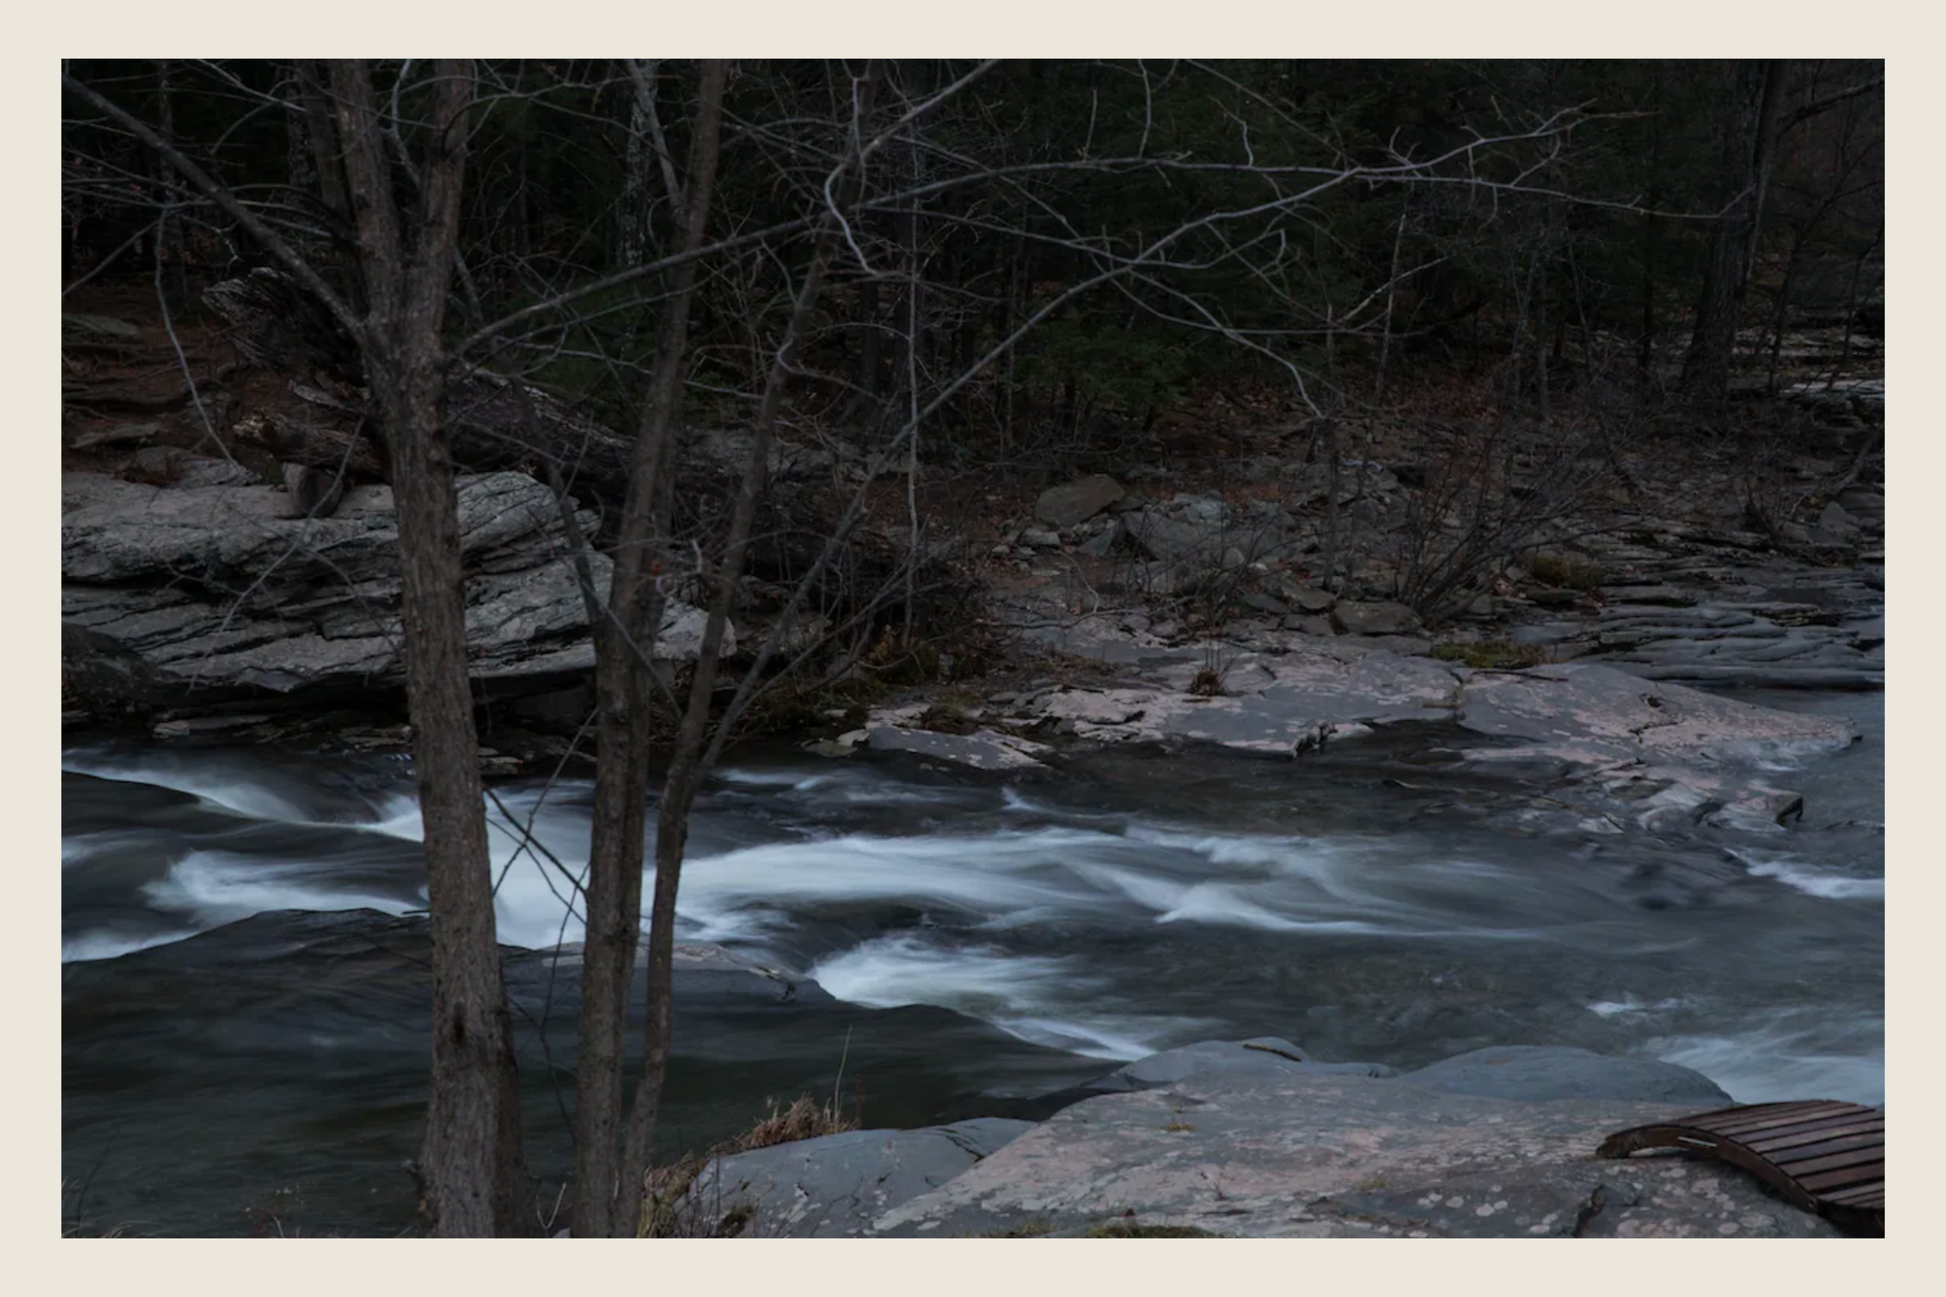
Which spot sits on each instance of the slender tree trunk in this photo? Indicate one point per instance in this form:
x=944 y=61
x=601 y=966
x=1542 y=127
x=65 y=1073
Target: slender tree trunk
x=169 y=242
x=470 y=1168
x=1746 y=164
x=869 y=345
x=1391 y=298
x=605 y=1202
x=687 y=763
x=327 y=158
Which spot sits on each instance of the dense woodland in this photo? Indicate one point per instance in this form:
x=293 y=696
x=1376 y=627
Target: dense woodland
x=1284 y=223
x=1023 y=270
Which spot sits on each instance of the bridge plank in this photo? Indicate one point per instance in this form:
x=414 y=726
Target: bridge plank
x=1824 y=1155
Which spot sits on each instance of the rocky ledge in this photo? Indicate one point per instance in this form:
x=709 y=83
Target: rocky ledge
x=1253 y=1139
x=1611 y=750
x=209 y=589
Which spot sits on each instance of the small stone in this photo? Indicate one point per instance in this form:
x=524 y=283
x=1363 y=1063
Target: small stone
x=1036 y=538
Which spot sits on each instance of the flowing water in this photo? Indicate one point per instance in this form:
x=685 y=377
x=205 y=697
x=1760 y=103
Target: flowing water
x=1129 y=903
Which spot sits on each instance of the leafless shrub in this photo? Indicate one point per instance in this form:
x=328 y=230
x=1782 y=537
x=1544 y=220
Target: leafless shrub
x=1493 y=493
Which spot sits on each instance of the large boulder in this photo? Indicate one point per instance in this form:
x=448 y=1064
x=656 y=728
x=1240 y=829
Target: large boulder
x=173 y=593
x=1077 y=501
x=1347 y=1157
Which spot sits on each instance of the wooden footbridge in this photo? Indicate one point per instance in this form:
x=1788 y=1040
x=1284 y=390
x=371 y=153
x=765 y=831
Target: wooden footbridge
x=1824 y=1156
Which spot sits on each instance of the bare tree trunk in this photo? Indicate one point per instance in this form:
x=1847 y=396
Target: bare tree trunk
x=1391 y=298
x=687 y=763
x=606 y=1202
x=169 y=244
x=327 y=157
x=470 y=1168
x=1746 y=166
x=1331 y=505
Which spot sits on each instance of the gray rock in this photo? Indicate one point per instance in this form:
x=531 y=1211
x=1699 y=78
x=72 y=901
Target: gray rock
x=1077 y=501
x=1313 y=625
x=1262 y=603
x=982 y=750
x=166 y=590
x=1378 y=618
x=1201 y=538
x=1167 y=540
x=1102 y=543
x=1261 y=1056
x=311 y=492
x=1036 y=538
x=1338 y=1156
x=833 y=1186
x=1838 y=523
x=1534 y=1072
x=1310 y=598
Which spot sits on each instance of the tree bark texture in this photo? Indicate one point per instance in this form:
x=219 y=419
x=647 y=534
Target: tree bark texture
x=687 y=764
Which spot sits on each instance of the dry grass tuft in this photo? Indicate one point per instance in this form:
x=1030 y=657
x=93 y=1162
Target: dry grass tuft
x=668 y=1210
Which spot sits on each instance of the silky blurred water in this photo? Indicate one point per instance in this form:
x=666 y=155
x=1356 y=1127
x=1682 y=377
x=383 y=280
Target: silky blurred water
x=1127 y=904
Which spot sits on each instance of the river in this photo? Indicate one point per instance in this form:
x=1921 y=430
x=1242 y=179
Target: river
x=1360 y=903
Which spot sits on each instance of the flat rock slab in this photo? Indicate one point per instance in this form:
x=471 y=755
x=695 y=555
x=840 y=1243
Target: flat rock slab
x=1345 y=1157
x=1600 y=708
x=981 y=750
x=168 y=589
